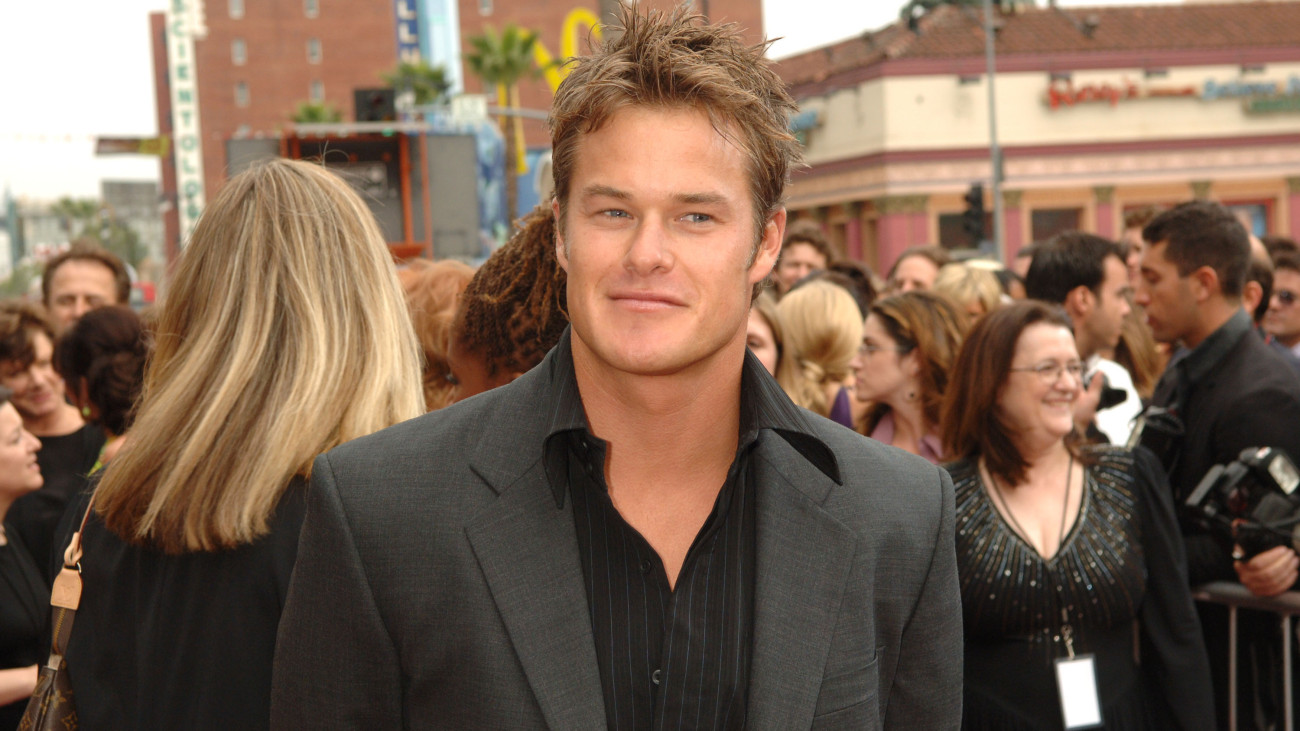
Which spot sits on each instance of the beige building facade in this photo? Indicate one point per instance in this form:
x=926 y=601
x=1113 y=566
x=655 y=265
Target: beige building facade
x=1098 y=112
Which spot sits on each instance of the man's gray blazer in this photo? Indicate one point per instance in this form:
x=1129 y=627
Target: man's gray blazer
x=439 y=586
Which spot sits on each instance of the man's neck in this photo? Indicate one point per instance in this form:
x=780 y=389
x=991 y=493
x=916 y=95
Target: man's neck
x=1083 y=341
x=1213 y=314
x=663 y=429
x=1290 y=341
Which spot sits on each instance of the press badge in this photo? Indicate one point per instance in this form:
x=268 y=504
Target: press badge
x=1076 y=680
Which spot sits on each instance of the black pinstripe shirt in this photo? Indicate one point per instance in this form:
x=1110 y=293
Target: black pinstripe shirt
x=670 y=658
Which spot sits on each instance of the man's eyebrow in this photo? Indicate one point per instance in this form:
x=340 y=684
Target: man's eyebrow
x=701 y=198
x=605 y=191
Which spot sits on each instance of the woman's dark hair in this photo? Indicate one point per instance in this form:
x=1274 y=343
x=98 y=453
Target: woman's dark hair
x=106 y=350
x=930 y=325
x=20 y=322
x=513 y=310
x=972 y=424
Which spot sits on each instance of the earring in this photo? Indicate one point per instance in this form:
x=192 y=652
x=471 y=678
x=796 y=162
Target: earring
x=85 y=412
x=911 y=395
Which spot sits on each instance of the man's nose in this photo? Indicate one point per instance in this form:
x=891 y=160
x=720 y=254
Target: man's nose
x=649 y=248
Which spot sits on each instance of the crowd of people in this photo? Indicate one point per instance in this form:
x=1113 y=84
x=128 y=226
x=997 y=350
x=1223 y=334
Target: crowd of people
x=682 y=465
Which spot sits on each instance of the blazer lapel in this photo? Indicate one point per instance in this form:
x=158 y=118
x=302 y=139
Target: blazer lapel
x=527 y=551
x=804 y=558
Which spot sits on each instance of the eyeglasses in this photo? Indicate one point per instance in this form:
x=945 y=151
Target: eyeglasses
x=1050 y=373
x=872 y=349
x=1285 y=296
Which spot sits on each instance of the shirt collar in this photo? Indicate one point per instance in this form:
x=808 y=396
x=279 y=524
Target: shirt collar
x=1202 y=359
x=763 y=405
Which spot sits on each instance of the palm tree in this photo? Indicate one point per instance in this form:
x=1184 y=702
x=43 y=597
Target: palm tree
x=501 y=61
x=427 y=84
x=315 y=113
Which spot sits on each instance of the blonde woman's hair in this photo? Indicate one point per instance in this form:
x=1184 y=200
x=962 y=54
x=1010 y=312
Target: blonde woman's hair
x=822 y=327
x=966 y=285
x=283 y=333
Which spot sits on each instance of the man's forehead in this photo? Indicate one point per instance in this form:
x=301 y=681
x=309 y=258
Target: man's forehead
x=82 y=269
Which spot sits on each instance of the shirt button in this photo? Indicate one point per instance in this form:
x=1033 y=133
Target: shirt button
x=656 y=676
x=646 y=566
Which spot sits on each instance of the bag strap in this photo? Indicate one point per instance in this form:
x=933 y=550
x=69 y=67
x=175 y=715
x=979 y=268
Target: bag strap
x=65 y=597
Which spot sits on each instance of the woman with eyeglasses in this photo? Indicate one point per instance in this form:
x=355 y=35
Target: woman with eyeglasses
x=1062 y=551
x=909 y=342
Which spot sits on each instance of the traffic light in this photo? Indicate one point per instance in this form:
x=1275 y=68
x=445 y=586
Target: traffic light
x=972 y=219
x=374 y=105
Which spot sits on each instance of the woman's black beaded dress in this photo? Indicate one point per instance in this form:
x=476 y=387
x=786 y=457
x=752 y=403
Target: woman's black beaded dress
x=1121 y=561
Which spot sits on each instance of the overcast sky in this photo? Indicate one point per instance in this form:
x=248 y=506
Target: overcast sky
x=81 y=68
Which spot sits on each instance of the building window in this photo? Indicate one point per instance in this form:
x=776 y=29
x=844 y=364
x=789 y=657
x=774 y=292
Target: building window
x=484 y=7
x=238 y=52
x=241 y=94
x=313 y=50
x=318 y=91
x=1048 y=222
x=311 y=8
x=236 y=9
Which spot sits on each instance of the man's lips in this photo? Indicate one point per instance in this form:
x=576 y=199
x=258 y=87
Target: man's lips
x=647 y=300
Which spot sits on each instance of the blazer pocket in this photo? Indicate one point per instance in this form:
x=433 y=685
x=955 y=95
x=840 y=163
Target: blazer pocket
x=849 y=691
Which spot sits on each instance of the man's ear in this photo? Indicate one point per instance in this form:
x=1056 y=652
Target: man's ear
x=769 y=247
x=1079 y=302
x=1204 y=282
x=561 y=252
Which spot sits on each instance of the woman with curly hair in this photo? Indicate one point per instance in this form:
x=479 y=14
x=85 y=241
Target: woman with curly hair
x=512 y=313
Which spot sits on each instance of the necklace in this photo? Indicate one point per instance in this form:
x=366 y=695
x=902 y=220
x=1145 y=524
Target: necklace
x=1015 y=525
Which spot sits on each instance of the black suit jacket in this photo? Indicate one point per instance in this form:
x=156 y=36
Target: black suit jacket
x=1251 y=398
x=439 y=585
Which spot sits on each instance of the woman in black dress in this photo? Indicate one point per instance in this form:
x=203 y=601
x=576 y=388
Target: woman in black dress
x=283 y=333
x=24 y=595
x=1061 y=551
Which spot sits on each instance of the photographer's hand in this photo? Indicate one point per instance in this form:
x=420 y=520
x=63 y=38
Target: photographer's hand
x=1269 y=573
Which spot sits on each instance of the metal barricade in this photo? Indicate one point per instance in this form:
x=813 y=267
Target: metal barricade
x=1235 y=596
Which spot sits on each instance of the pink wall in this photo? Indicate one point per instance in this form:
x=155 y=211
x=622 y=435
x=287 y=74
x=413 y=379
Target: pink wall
x=853 y=238
x=1106 y=220
x=893 y=236
x=1293 y=211
x=1013 y=231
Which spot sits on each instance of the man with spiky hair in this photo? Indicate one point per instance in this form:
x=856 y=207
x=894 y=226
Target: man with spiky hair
x=642 y=531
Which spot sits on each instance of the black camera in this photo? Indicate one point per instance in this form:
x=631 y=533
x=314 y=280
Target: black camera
x=1252 y=500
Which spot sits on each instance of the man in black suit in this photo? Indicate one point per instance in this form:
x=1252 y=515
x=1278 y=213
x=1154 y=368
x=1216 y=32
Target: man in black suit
x=1230 y=389
x=642 y=531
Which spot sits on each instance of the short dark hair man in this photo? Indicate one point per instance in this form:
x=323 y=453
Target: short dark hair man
x=1282 y=319
x=1230 y=389
x=82 y=278
x=1087 y=276
x=642 y=530
x=804 y=251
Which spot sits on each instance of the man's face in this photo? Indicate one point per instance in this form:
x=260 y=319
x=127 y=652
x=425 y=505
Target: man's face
x=798 y=260
x=659 y=244
x=38 y=389
x=1167 y=298
x=1282 y=320
x=77 y=287
x=914 y=273
x=1105 y=320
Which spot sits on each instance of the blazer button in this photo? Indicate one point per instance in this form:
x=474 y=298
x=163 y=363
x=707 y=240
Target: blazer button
x=656 y=676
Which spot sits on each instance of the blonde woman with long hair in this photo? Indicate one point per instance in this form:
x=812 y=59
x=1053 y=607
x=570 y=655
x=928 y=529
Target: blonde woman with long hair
x=822 y=327
x=283 y=333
